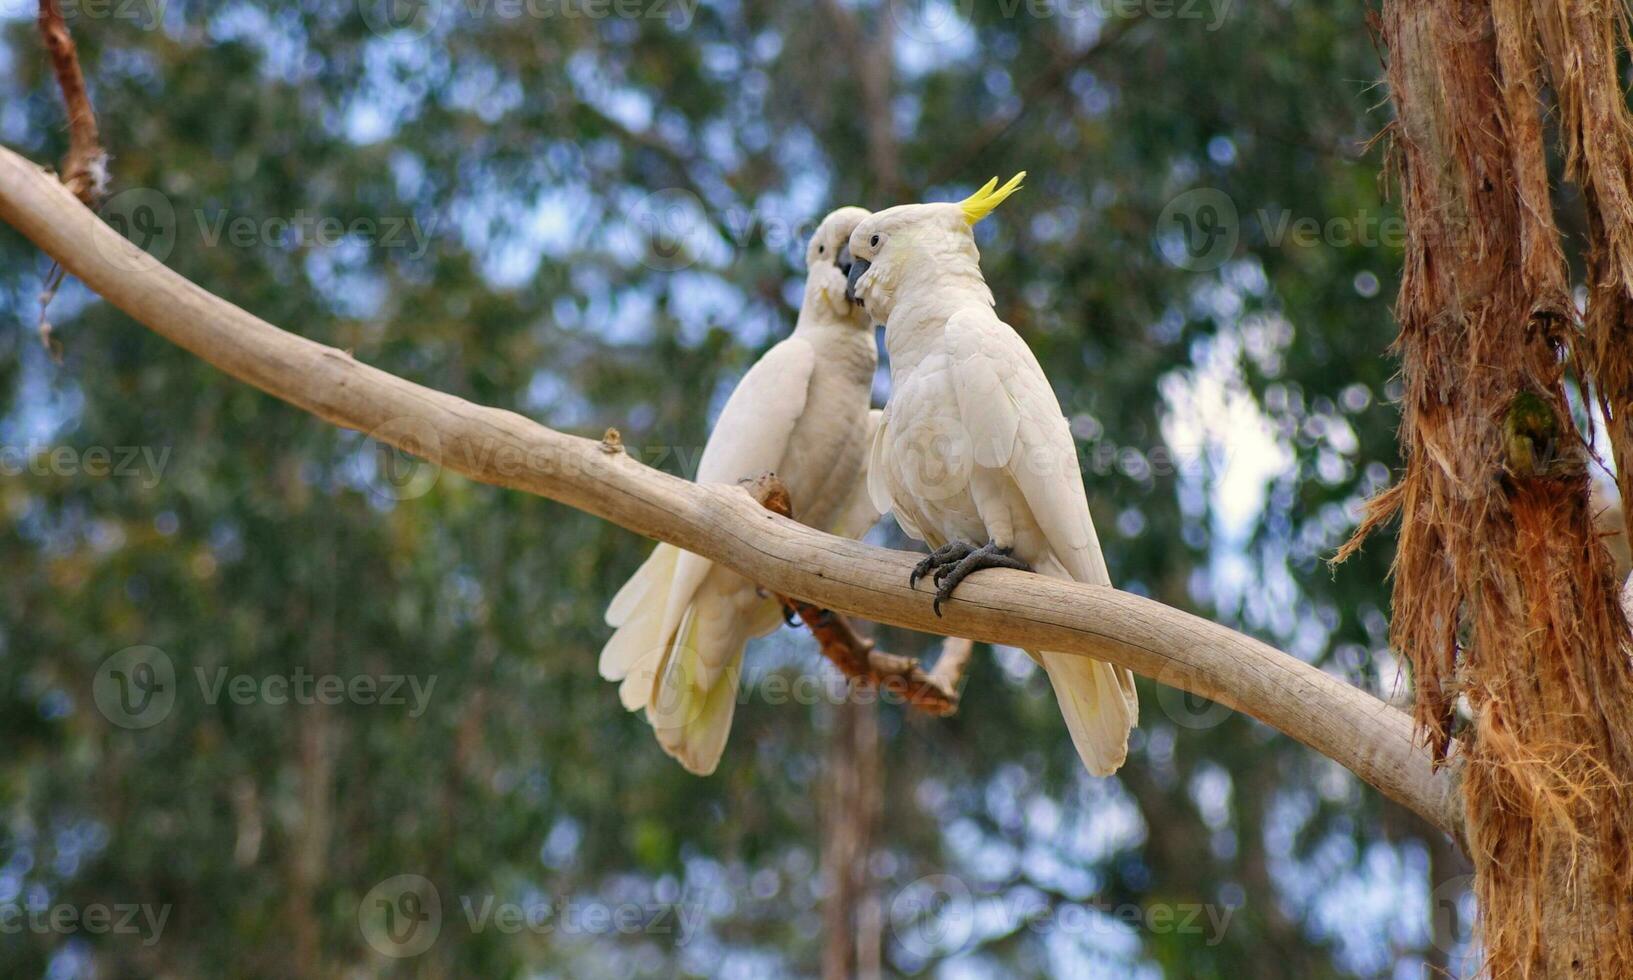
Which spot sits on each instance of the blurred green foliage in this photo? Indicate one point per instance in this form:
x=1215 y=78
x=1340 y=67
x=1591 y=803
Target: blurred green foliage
x=1221 y=354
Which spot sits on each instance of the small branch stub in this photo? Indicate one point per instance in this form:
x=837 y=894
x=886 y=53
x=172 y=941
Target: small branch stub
x=85 y=168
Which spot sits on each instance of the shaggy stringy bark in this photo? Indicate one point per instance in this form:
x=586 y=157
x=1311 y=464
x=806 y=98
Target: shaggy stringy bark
x=1504 y=599
x=1580 y=43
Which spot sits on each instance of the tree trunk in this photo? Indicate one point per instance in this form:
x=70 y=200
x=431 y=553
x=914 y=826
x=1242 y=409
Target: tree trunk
x=1504 y=599
x=851 y=795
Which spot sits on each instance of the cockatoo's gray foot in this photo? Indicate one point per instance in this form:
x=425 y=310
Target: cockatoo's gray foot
x=945 y=556
x=950 y=574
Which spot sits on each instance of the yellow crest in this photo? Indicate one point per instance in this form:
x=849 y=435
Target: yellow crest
x=981 y=203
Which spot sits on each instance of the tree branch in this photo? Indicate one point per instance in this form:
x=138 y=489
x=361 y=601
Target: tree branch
x=725 y=524
x=85 y=168
x=854 y=654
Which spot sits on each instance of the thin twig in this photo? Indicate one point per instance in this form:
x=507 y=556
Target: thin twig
x=85 y=168
x=948 y=673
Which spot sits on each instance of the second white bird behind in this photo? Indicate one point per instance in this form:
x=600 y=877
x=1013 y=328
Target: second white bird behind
x=801 y=412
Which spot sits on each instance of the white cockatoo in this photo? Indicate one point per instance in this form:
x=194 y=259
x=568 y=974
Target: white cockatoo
x=801 y=412
x=974 y=456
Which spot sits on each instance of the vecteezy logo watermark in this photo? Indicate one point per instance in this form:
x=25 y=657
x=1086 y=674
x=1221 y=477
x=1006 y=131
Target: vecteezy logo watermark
x=1199 y=230
x=402 y=916
x=936 y=916
x=1175 y=686
x=1452 y=915
x=145 y=921
x=663 y=231
x=406 y=473
x=137 y=688
x=146 y=220
x=145 y=463
x=400 y=19
x=941 y=22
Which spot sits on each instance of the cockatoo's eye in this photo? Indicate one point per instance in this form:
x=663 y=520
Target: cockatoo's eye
x=822 y=250
x=874 y=242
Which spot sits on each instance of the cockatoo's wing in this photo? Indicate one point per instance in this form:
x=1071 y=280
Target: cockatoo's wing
x=1015 y=423
x=673 y=617
x=877 y=480
x=753 y=430
x=878 y=477
x=749 y=438
x=860 y=513
x=707 y=627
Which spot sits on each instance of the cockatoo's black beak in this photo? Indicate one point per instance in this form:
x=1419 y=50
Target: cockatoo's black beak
x=859 y=267
x=844 y=259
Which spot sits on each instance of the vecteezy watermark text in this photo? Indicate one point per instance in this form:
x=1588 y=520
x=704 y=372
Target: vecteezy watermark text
x=402 y=916
x=137 y=688
x=410 y=19
x=303 y=688
x=579 y=916
x=144 y=463
x=144 y=920
x=303 y=230
x=151 y=227
x=147 y=15
x=937 y=915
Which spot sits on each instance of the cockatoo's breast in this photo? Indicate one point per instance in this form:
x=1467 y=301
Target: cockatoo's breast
x=828 y=448
x=929 y=463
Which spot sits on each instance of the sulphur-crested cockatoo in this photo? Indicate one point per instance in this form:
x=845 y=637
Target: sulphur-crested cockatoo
x=974 y=456
x=801 y=412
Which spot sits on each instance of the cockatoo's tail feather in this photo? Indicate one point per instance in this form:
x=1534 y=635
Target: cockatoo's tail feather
x=982 y=202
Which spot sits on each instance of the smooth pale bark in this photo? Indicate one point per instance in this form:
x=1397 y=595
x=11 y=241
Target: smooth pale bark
x=725 y=524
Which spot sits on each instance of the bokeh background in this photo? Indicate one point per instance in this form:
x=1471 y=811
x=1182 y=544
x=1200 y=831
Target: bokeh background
x=593 y=212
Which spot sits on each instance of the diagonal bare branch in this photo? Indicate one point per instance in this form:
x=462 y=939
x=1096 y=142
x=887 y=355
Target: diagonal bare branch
x=725 y=524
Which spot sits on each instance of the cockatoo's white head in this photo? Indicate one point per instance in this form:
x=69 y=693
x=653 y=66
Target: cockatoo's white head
x=891 y=248
x=828 y=263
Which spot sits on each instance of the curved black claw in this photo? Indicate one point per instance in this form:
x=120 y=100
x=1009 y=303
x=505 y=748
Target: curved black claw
x=987 y=556
x=790 y=617
x=945 y=556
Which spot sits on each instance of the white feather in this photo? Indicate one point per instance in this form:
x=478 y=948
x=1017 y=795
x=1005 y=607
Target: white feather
x=958 y=370
x=801 y=412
